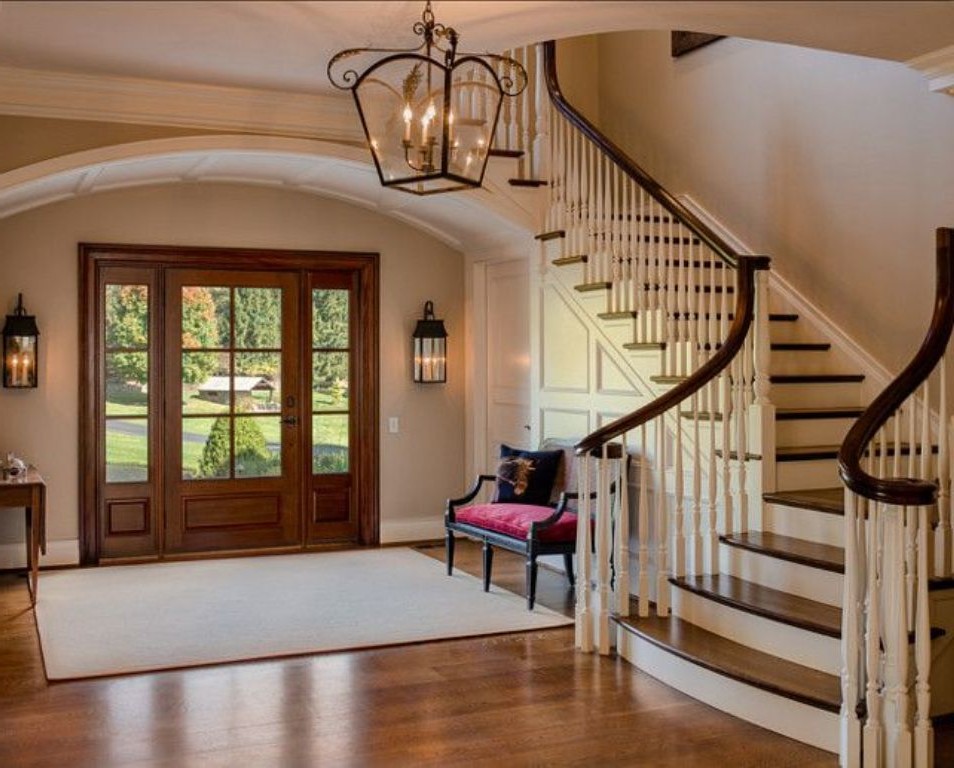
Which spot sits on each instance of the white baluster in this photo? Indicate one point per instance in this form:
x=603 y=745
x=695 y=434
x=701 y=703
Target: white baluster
x=725 y=387
x=642 y=267
x=679 y=511
x=923 y=732
x=763 y=412
x=525 y=119
x=662 y=528
x=643 y=523
x=850 y=751
x=873 y=738
x=622 y=532
x=942 y=533
x=896 y=706
x=584 y=618
x=541 y=112
x=603 y=550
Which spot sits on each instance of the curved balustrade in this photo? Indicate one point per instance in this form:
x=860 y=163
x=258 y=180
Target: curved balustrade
x=895 y=463
x=704 y=307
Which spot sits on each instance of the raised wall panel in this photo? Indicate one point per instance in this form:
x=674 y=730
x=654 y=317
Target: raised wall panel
x=127 y=517
x=564 y=423
x=331 y=506
x=610 y=380
x=565 y=346
x=227 y=511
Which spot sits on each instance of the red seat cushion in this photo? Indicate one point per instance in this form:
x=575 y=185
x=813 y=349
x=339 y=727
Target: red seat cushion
x=514 y=520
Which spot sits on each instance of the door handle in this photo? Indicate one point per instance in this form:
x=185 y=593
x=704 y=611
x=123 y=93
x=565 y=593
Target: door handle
x=291 y=421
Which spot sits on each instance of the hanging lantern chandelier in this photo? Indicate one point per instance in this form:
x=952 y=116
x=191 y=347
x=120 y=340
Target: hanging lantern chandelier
x=429 y=116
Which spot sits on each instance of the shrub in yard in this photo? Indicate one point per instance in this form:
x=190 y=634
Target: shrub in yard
x=251 y=451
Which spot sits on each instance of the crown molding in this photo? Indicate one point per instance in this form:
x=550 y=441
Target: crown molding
x=107 y=98
x=938 y=67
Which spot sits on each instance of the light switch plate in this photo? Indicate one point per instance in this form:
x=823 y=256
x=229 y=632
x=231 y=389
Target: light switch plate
x=394 y=426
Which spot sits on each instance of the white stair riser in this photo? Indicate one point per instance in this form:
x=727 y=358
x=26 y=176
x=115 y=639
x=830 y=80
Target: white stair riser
x=808 y=524
x=816 y=395
x=811 y=431
x=799 y=475
x=783 y=575
x=798 y=721
x=810 y=649
x=802 y=361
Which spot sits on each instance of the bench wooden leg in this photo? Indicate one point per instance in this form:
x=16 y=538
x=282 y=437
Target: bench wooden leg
x=531 y=581
x=568 y=565
x=450 y=553
x=488 y=564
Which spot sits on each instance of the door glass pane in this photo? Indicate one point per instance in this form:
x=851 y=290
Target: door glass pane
x=329 y=451
x=258 y=318
x=126 y=382
x=258 y=449
x=329 y=318
x=205 y=382
x=258 y=382
x=206 y=447
x=205 y=317
x=127 y=316
x=127 y=378
x=329 y=381
x=127 y=450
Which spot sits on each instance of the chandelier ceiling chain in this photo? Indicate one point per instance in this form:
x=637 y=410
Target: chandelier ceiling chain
x=429 y=113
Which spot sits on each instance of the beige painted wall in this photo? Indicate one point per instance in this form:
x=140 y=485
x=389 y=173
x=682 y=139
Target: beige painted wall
x=839 y=167
x=420 y=466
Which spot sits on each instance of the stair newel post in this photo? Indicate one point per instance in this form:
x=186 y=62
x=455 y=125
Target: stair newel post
x=603 y=549
x=622 y=531
x=873 y=735
x=643 y=523
x=850 y=751
x=942 y=533
x=763 y=411
x=662 y=527
x=923 y=732
x=584 y=618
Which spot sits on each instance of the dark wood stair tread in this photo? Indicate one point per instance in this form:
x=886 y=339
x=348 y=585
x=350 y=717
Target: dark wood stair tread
x=774 y=317
x=624 y=314
x=514 y=153
x=816 y=378
x=564 y=261
x=556 y=234
x=795 y=414
x=830 y=500
x=735 y=455
x=801 y=551
x=766 y=602
x=588 y=287
x=634 y=346
x=527 y=182
x=816 y=452
x=737 y=661
x=800 y=346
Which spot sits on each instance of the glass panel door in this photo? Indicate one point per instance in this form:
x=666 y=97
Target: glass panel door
x=232 y=364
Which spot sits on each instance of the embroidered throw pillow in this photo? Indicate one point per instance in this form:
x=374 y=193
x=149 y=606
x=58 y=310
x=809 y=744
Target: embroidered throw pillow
x=526 y=477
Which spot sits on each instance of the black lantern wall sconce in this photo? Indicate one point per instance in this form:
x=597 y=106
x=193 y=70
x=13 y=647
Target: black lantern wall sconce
x=430 y=348
x=21 y=339
x=429 y=117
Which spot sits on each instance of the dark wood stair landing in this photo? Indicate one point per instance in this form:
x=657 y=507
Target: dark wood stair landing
x=736 y=661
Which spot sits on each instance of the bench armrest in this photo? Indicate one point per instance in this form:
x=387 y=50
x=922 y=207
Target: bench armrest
x=468 y=497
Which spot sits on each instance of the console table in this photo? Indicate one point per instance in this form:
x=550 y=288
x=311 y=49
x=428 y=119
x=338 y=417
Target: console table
x=28 y=490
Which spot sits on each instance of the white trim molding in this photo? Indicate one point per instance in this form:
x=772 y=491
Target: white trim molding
x=107 y=98
x=938 y=68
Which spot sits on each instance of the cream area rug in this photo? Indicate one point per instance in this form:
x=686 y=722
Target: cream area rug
x=120 y=619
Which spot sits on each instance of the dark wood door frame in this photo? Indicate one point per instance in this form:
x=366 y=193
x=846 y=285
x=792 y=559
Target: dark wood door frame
x=93 y=257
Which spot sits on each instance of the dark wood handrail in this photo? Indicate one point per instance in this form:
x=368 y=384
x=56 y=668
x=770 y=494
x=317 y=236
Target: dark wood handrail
x=629 y=166
x=744 y=311
x=903 y=490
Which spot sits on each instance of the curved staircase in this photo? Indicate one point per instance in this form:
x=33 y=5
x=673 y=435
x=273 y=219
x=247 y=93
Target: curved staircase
x=725 y=576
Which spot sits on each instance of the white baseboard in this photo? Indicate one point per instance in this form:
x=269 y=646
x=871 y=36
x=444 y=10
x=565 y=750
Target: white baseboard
x=60 y=552
x=418 y=529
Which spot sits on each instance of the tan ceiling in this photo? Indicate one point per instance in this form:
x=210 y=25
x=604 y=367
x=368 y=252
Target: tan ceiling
x=286 y=45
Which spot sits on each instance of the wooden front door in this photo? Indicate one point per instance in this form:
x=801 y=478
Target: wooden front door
x=228 y=402
x=233 y=422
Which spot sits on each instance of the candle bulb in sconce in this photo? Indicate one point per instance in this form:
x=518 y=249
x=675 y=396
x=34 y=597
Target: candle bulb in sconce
x=408 y=116
x=14 y=378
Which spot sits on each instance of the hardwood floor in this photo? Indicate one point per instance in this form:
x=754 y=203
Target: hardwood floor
x=522 y=699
